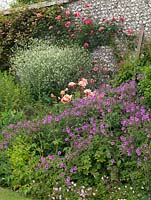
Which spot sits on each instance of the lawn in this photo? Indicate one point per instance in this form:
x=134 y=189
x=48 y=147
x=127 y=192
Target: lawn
x=9 y=195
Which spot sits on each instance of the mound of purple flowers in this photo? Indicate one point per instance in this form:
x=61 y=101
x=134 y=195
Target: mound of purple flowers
x=93 y=136
x=116 y=114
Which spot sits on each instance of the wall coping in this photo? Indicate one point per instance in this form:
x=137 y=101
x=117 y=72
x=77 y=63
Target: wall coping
x=35 y=6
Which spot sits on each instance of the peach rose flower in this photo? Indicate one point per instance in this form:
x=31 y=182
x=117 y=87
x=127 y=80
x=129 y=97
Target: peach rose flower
x=88 y=92
x=82 y=84
x=66 y=98
x=62 y=92
x=85 y=80
x=71 y=84
x=52 y=95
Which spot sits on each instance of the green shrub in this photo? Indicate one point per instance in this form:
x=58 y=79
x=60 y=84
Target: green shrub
x=46 y=69
x=10 y=117
x=145 y=58
x=145 y=84
x=16 y=103
x=134 y=66
x=128 y=70
x=5 y=169
x=12 y=95
x=22 y=158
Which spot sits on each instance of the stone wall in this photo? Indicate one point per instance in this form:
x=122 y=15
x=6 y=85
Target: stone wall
x=135 y=12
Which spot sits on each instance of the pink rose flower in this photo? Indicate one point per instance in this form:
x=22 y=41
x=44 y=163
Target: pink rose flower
x=72 y=35
x=77 y=14
x=104 y=69
x=67 y=24
x=95 y=69
x=88 y=21
x=129 y=31
x=91 y=32
x=92 y=80
x=67 y=13
x=58 y=17
x=101 y=28
x=58 y=32
x=107 y=22
x=87 y=5
x=50 y=27
x=83 y=19
x=86 y=45
x=121 y=19
x=39 y=15
x=113 y=19
x=66 y=99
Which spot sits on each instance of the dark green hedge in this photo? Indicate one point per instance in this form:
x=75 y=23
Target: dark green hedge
x=22 y=25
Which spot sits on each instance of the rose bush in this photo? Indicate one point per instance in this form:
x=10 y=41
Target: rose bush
x=20 y=26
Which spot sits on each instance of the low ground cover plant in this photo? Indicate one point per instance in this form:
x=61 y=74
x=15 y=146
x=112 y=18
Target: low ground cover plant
x=100 y=147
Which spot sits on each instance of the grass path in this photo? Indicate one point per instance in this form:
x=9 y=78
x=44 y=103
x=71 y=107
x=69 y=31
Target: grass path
x=9 y=195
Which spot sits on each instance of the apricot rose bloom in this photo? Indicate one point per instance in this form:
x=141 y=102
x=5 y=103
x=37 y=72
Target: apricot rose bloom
x=84 y=80
x=52 y=95
x=83 y=83
x=71 y=84
x=88 y=92
x=66 y=98
x=62 y=92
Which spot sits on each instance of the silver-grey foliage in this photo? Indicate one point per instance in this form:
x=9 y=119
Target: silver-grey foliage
x=40 y=65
